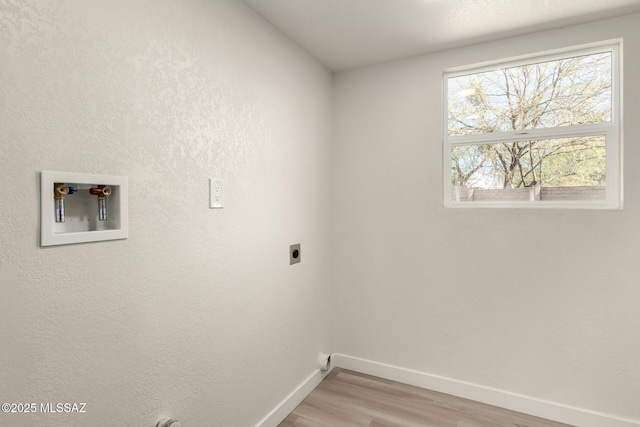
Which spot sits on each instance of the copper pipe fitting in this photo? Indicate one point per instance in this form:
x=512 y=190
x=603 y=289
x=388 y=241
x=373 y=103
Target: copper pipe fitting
x=106 y=191
x=102 y=191
x=60 y=190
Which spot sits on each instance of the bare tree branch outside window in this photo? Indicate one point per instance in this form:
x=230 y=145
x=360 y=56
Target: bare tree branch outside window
x=565 y=92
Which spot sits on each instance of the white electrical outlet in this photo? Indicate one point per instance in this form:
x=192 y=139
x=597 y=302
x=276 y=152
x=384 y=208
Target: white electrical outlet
x=216 y=193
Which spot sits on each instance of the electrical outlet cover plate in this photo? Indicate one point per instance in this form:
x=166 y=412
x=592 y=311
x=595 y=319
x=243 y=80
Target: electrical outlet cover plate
x=81 y=223
x=216 y=193
x=295 y=255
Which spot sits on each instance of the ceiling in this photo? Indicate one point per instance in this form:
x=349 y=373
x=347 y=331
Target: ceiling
x=345 y=34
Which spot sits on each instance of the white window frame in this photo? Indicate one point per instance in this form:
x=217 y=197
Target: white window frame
x=612 y=131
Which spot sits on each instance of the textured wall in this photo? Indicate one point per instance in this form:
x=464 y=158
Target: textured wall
x=198 y=314
x=541 y=303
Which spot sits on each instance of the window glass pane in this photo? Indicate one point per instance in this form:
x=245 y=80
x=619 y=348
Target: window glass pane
x=554 y=169
x=564 y=92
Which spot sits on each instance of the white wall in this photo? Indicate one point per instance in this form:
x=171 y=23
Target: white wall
x=198 y=315
x=541 y=303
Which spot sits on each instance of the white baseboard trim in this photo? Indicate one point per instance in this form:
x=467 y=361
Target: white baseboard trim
x=504 y=399
x=284 y=408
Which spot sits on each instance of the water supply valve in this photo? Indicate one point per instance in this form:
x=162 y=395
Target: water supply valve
x=102 y=191
x=59 y=191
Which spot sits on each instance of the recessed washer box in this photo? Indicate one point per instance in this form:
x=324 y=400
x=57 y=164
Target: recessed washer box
x=79 y=208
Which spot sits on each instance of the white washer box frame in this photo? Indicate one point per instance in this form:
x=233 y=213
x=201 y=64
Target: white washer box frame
x=48 y=234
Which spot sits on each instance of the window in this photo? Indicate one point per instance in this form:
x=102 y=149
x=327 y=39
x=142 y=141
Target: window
x=543 y=131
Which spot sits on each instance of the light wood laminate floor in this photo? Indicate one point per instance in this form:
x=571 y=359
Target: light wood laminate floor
x=346 y=398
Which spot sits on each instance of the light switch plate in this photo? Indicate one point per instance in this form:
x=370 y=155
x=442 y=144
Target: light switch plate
x=216 y=193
